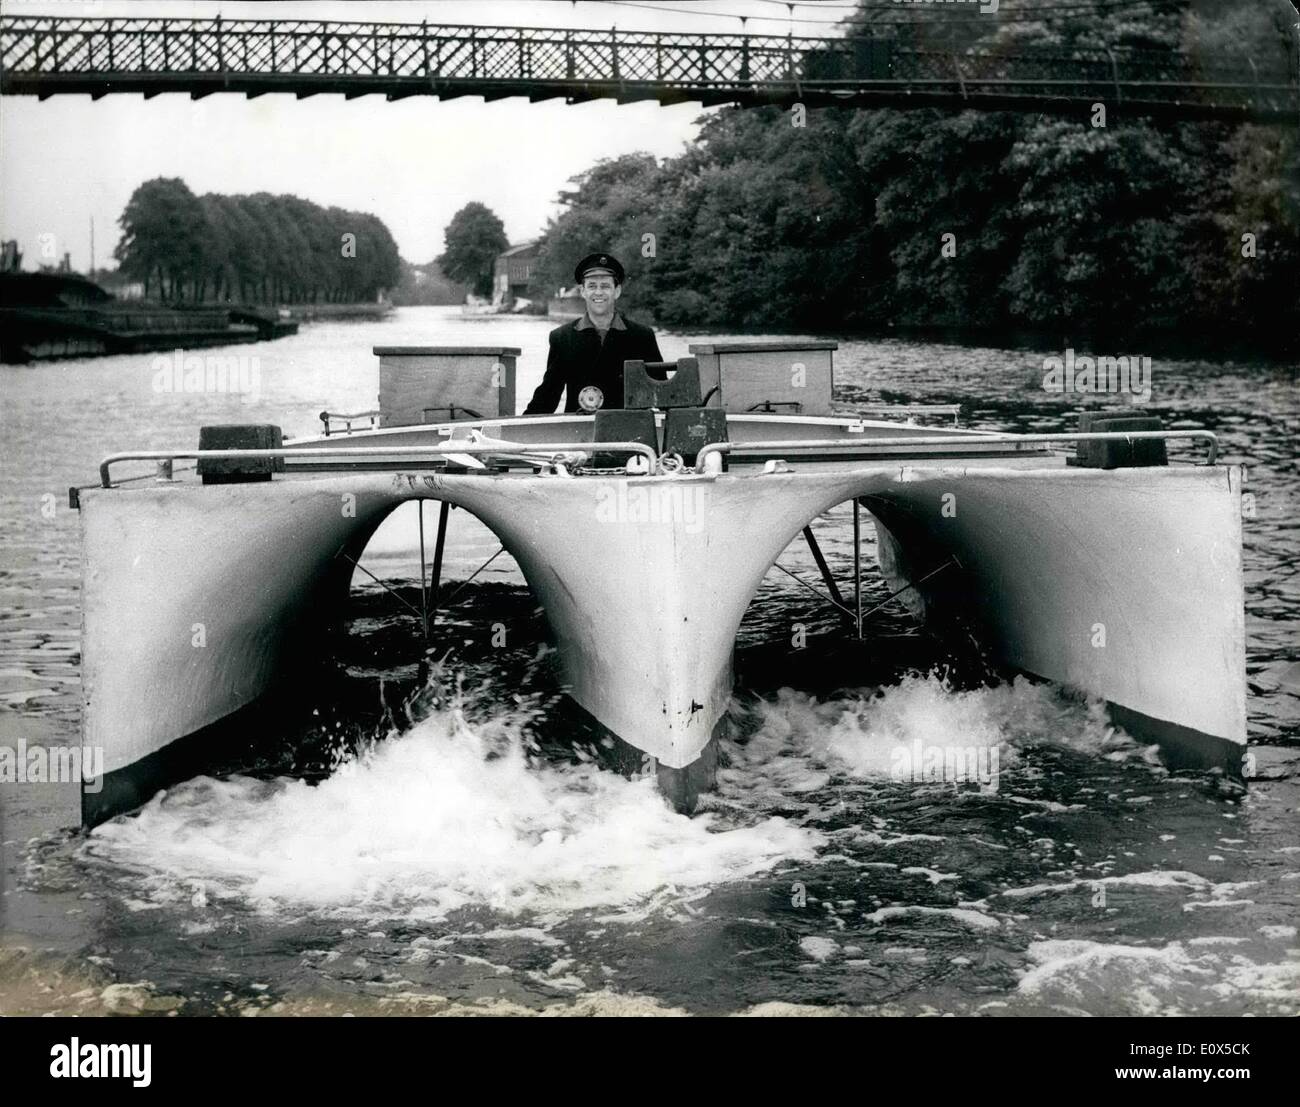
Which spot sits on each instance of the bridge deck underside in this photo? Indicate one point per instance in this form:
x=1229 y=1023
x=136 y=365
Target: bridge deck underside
x=1051 y=97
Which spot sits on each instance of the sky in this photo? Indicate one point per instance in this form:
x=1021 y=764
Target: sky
x=69 y=160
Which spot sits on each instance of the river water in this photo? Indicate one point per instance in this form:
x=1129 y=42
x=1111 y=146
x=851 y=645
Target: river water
x=423 y=839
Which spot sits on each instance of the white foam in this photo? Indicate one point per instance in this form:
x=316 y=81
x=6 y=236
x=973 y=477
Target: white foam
x=456 y=814
x=1159 y=879
x=867 y=737
x=444 y=816
x=1278 y=932
x=932 y=875
x=819 y=949
x=801 y=744
x=1155 y=980
x=974 y=919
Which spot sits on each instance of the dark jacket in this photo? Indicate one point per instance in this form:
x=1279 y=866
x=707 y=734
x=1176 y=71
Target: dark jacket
x=577 y=359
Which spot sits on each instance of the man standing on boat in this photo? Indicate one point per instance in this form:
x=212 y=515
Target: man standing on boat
x=588 y=354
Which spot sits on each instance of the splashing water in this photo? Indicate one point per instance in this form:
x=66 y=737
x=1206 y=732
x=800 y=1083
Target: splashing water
x=802 y=745
x=457 y=863
x=452 y=813
x=459 y=811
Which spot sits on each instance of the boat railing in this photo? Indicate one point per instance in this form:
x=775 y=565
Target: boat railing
x=531 y=453
x=328 y=418
x=841 y=444
x=346 y=420
x=549 y=452
x=451 y=409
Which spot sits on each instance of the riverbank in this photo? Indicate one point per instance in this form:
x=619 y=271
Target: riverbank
x=310 y=313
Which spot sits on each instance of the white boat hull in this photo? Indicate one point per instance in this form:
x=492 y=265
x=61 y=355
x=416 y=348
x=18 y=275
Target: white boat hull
x=197 y=599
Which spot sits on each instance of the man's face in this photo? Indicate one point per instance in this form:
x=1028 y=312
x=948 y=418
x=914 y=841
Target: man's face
x=601 y=293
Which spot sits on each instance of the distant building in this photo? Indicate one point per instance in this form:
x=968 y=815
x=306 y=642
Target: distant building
x=11 y=258
x=513 y=271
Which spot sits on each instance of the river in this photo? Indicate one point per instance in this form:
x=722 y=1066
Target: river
x=469 y=863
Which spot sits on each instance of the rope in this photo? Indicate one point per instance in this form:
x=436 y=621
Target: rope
x=906 y=587
x=372 y=576
x=475 y=573
x=819 y=595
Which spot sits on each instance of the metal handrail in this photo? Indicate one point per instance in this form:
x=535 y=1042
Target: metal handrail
x=326 y=416
x=948 y=440
x=521 y=449
x=451 y=410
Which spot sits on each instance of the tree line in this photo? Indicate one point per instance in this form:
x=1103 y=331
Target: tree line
x=864 y=219
x=252 y=249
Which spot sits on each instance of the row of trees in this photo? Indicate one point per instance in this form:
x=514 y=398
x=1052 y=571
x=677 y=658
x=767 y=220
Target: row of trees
x=252 y=249
x=867 y=218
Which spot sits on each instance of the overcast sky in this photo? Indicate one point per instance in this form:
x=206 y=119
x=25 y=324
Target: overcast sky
x=413 y=163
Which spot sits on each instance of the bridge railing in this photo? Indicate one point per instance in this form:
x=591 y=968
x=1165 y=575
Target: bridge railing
x=32 y=44
x=55 y=53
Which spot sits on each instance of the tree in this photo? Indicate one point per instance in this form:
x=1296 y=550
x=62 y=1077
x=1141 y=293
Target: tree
x=165 y=234
x=259 y=248
x=611 y=206
x=992 y=219
x=474 y=237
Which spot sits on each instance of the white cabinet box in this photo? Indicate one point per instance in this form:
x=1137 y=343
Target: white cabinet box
x=795 y=378
x=440 y=384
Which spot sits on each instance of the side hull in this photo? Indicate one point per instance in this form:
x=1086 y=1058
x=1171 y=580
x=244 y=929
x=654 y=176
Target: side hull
x=1184 y=747
x=1125 y=584
x=129 y=786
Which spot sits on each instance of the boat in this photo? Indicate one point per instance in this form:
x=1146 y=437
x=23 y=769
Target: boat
x=58 y=315
x=1114 y=567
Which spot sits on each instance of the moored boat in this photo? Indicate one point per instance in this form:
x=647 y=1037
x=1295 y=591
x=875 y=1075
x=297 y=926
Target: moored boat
x=57 y=315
